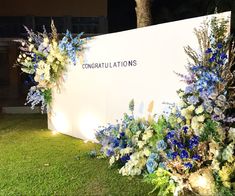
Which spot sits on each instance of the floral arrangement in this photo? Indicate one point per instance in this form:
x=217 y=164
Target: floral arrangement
x=191 y=151
x=44 y=57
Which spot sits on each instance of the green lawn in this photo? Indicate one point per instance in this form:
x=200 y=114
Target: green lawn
x=33 y=161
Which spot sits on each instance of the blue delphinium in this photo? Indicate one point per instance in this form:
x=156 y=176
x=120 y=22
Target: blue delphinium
x=71 y=45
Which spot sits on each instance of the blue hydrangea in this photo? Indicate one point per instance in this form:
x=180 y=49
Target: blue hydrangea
x=161 y=145
x=189 y=89
x=154 y=156
x=193 y=100
x=151 y=165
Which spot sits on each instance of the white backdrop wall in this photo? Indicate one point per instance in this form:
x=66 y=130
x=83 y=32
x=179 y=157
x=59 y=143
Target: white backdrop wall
x=137 y=64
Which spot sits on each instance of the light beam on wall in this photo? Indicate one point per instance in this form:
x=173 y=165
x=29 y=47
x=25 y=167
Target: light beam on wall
x=87 y=125
x=60 y=122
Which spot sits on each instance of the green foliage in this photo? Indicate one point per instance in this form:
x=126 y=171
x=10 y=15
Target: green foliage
x=161 y=179
x=160 y=127
x=210 y=131
x=219 y=29
x=228 y=152
x=47 y=94
x=222 y=190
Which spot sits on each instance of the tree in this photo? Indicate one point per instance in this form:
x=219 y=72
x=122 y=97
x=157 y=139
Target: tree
x=143 y=13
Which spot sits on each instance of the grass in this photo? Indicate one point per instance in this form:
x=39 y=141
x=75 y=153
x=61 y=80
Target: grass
x=33 y=161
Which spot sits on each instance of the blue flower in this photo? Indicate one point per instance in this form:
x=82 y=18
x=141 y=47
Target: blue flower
x=180 y=145
x=154 y=156
x=189 y=89
x=151 y=165
x=122 y=134
x=115 y=142
x=188 y=165
x=184 y=154
x=193 y=100
x=185 y=129
x=196 y=157
x=212 y=59
x=125 y=158
x=172 y=155
x=109 y=152
x=170 y=134
x=219 y=45
x=208 y=51
x=161 y=145
x=162 y=165
x=223 y=56
x=193 y=142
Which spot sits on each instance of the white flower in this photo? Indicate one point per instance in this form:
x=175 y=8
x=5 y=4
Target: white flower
x=173 y=111
x=231 y=134
x=147 y=152
x=191 y=108
x=147 y=135
x=127 y=150
x=201 y=118
x=199 y=110
x=111 y=160
x=31 y=46
x=181 y=94
x=182 y=103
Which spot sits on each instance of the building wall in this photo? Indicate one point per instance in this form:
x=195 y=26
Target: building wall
x=79 y=8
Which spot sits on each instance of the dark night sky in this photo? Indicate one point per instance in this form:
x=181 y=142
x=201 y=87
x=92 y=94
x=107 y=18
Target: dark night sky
x=121 y=13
